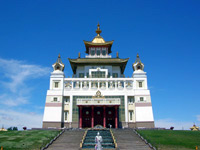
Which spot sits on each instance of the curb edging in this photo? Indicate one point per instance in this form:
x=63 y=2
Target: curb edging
x=54 y=139
x=143 y=139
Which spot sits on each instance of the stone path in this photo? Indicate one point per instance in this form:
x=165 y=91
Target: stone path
x=127 y=140
x=69 y=140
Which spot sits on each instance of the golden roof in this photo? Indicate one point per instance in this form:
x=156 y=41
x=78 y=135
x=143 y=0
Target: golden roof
x=98 y=61
x=98 y=41
x=194 y=128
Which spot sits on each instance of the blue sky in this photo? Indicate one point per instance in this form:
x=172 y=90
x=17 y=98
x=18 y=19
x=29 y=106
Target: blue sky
x=164 y=33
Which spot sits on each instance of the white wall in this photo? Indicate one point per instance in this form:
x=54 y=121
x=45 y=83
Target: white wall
x=144 y=113
x=52 y=114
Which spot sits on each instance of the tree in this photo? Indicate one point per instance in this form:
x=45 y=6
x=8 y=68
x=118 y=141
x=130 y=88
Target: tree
x=15 y=129
x=10 y=129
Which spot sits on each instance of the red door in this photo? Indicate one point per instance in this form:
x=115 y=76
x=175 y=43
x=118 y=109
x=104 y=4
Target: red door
x=86 y=117
x=98 y=116
x=110 y=117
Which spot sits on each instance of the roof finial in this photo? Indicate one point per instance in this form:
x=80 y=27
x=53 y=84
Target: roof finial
x=138 y=55
x=98 y=30
x=79 y=55
x=59 y=59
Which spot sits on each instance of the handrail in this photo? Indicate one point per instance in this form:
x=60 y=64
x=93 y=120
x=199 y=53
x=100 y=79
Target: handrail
x=113 y=139
x=81 y=144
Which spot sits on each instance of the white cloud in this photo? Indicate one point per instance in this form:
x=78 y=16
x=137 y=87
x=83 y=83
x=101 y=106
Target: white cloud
x=178 y=125
x=198 y=117
x=16 y=75
x=18 y=72
x=15 y=91
x=20 y=119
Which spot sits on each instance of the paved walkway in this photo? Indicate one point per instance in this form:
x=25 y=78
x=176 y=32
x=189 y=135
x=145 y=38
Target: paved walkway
x=127 y=140
x=69 y=140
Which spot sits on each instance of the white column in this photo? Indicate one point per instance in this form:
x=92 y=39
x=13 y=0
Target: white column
x=124 y=85
x=90 y=83
x=107 y=84
x=126 y=108
x=98 y=85
x=81 y=84
x=72 y=84
x=71 y=106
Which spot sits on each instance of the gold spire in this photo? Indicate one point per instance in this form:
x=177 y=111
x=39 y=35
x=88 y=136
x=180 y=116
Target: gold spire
x=98 y=30
x=137 y=55
x=59 y=59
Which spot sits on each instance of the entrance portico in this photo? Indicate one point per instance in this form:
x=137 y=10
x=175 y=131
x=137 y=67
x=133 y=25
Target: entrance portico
x=98 y=110
x=90 y=116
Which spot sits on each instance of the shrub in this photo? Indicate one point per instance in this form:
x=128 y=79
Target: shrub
x=15 y=129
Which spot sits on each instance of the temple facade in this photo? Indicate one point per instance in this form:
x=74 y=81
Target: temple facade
x=98 y=93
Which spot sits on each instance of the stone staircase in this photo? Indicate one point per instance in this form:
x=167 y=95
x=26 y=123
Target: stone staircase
x=89 y=141
x=128 y=140
x=69 y=140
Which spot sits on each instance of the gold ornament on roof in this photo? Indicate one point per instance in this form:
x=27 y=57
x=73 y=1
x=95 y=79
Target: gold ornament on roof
x=98 y=95
x=98 y=30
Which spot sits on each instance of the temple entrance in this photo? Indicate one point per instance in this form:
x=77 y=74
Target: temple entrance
x=90 y=116
x=110 y=117
x=86 y=117
x=98 y=116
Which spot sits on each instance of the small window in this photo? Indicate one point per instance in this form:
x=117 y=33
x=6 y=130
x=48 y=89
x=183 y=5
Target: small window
x=140 y=84
x=67 y=100
x=108 y=75
x=87 y=75
x=98 y=52
x=81 y=75
x=104 y=52
x=56 y=84
x=55 y=99
x=141 y=98
x=92 y=52
x=57 y=67
x=115 y=75
x=131 y=99
x=131 y=115
x=66 y=115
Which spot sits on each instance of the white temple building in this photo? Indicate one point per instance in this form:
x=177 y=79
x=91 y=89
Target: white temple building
x=98 y=93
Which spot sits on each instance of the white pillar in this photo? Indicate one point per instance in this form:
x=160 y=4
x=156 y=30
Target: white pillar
x=124 y=85
x=71 y=110
x=98 y=85
x=126 y=108
x=72 y=84
x=90 y=83
x=81 y=85
x=107 y=84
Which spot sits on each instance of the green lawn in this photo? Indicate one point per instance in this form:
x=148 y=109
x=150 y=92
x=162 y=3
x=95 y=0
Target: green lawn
x=29 y=140
x=172 y=140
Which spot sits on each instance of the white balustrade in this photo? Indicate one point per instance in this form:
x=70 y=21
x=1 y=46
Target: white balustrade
x=98 y=83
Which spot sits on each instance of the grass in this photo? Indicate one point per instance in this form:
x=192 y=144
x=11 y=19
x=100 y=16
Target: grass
x=26 y=140
x=172 y=140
